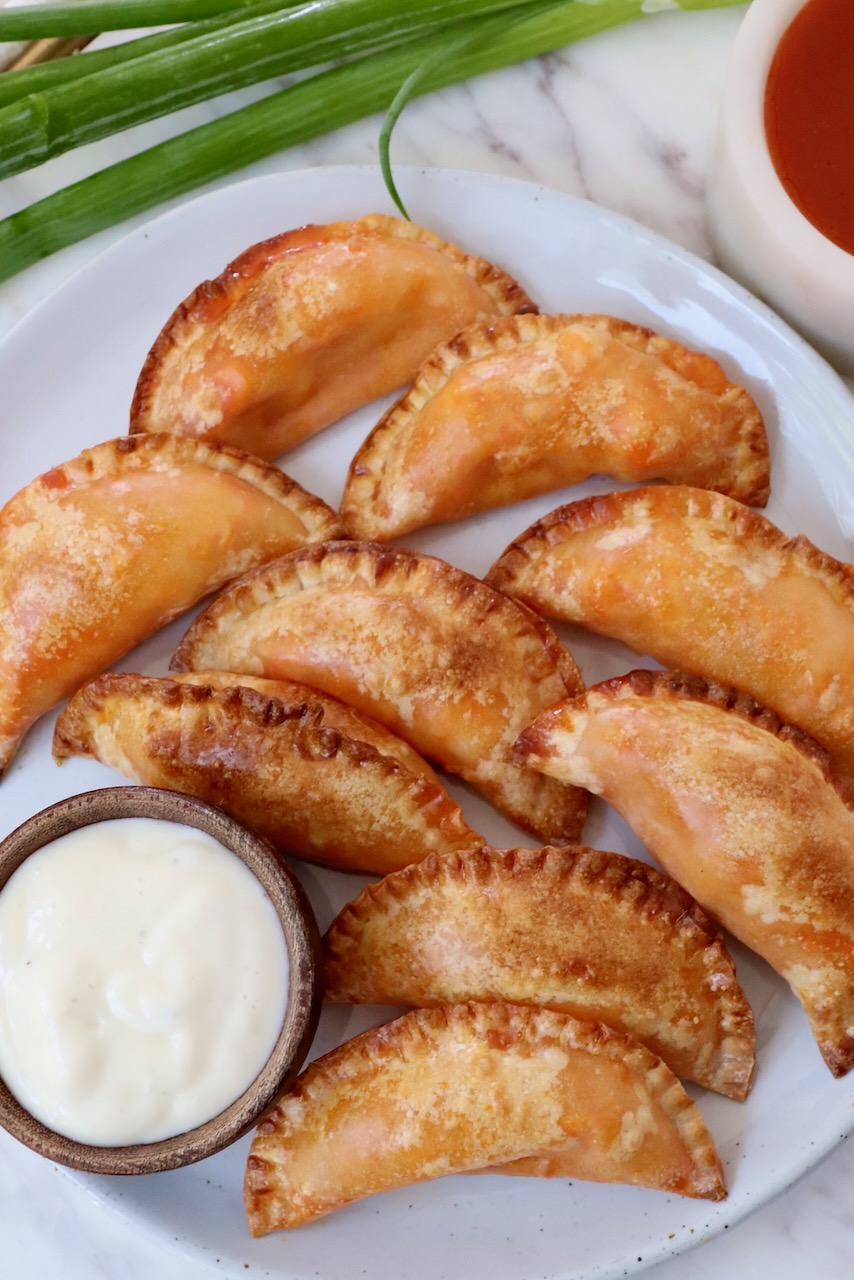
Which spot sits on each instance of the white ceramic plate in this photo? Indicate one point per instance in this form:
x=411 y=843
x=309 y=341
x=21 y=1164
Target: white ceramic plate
x=67 y=374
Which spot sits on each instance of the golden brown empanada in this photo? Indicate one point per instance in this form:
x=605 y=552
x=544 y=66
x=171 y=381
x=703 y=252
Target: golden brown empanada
x=594 y=934
x=441 y=659
x=527 y=404
x=303 y=328
x=468 y=1086
x=102 y=550
x=337 y=715
x=739 y=809
x=704 y=585
x=284 y=759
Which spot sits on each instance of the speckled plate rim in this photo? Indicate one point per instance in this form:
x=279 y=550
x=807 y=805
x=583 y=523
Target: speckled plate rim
x=532 y=232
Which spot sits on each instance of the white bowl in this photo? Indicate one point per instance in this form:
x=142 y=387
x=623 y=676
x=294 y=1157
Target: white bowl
x=761 y=237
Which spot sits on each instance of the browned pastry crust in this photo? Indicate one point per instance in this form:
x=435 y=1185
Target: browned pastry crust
x=102 y=550
x=449 y=664
x=285 y=760
x=337 y=715
x=739 y=808
x=527 y=404
x=706 y=585
x=305 y=327
x=468 y=1086
x=594 y=934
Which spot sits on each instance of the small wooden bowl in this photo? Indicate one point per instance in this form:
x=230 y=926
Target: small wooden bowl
x=303 y=1007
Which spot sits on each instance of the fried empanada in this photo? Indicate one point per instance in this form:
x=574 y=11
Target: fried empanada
x=465 y=1087
x=337 y=715
x=289 y=762
x=705 y=585
x=102 y=550
x=304 y=328
x=449 y=664
x=594 y=934
x=738 y=808
x=527 y=404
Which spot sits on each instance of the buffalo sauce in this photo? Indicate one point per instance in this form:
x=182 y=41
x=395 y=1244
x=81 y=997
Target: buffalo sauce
x=809 y=116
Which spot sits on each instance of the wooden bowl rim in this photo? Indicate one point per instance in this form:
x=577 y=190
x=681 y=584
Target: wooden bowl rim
x=302 y=1011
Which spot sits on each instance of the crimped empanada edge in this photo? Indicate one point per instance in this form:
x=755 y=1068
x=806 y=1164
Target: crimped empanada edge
x=365 y=475
x=679 y=686
x=551 y=812
x=422 y=1030
x=671 y=502
x=655 y=897
x=314 y=739
x=311 y=739
x=750 y=465
x=555 y=813
x=319 y=564
x=162 y=451
x=222 y=291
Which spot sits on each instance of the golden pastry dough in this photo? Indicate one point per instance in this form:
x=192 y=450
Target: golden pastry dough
x=334 y=714
x=739 y=809
x=468 y=1086
x=594 y=934
x=527 y=404
x=303 y=328
x=704 y=585
x=291 y=763
x=452 y=666
x=102 y=550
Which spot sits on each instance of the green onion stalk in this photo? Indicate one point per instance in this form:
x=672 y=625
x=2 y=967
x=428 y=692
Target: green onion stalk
x=32 y=22
x=44 y=125
x=314 y=106
x=48 y=75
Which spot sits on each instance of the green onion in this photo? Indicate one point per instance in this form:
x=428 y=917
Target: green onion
x=41 y=126
x=303 y=111
x=48 y=75
x=31 y=22
x=405 y=94
x=409 y=89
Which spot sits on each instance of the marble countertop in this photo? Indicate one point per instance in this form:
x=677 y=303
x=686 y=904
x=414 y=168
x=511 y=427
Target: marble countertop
x=627 y=120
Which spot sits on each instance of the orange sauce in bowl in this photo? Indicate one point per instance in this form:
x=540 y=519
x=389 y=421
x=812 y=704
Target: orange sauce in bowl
x=809 y=116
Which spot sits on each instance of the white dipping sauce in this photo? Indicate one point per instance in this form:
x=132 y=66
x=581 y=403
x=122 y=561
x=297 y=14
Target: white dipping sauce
x=143 y=981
